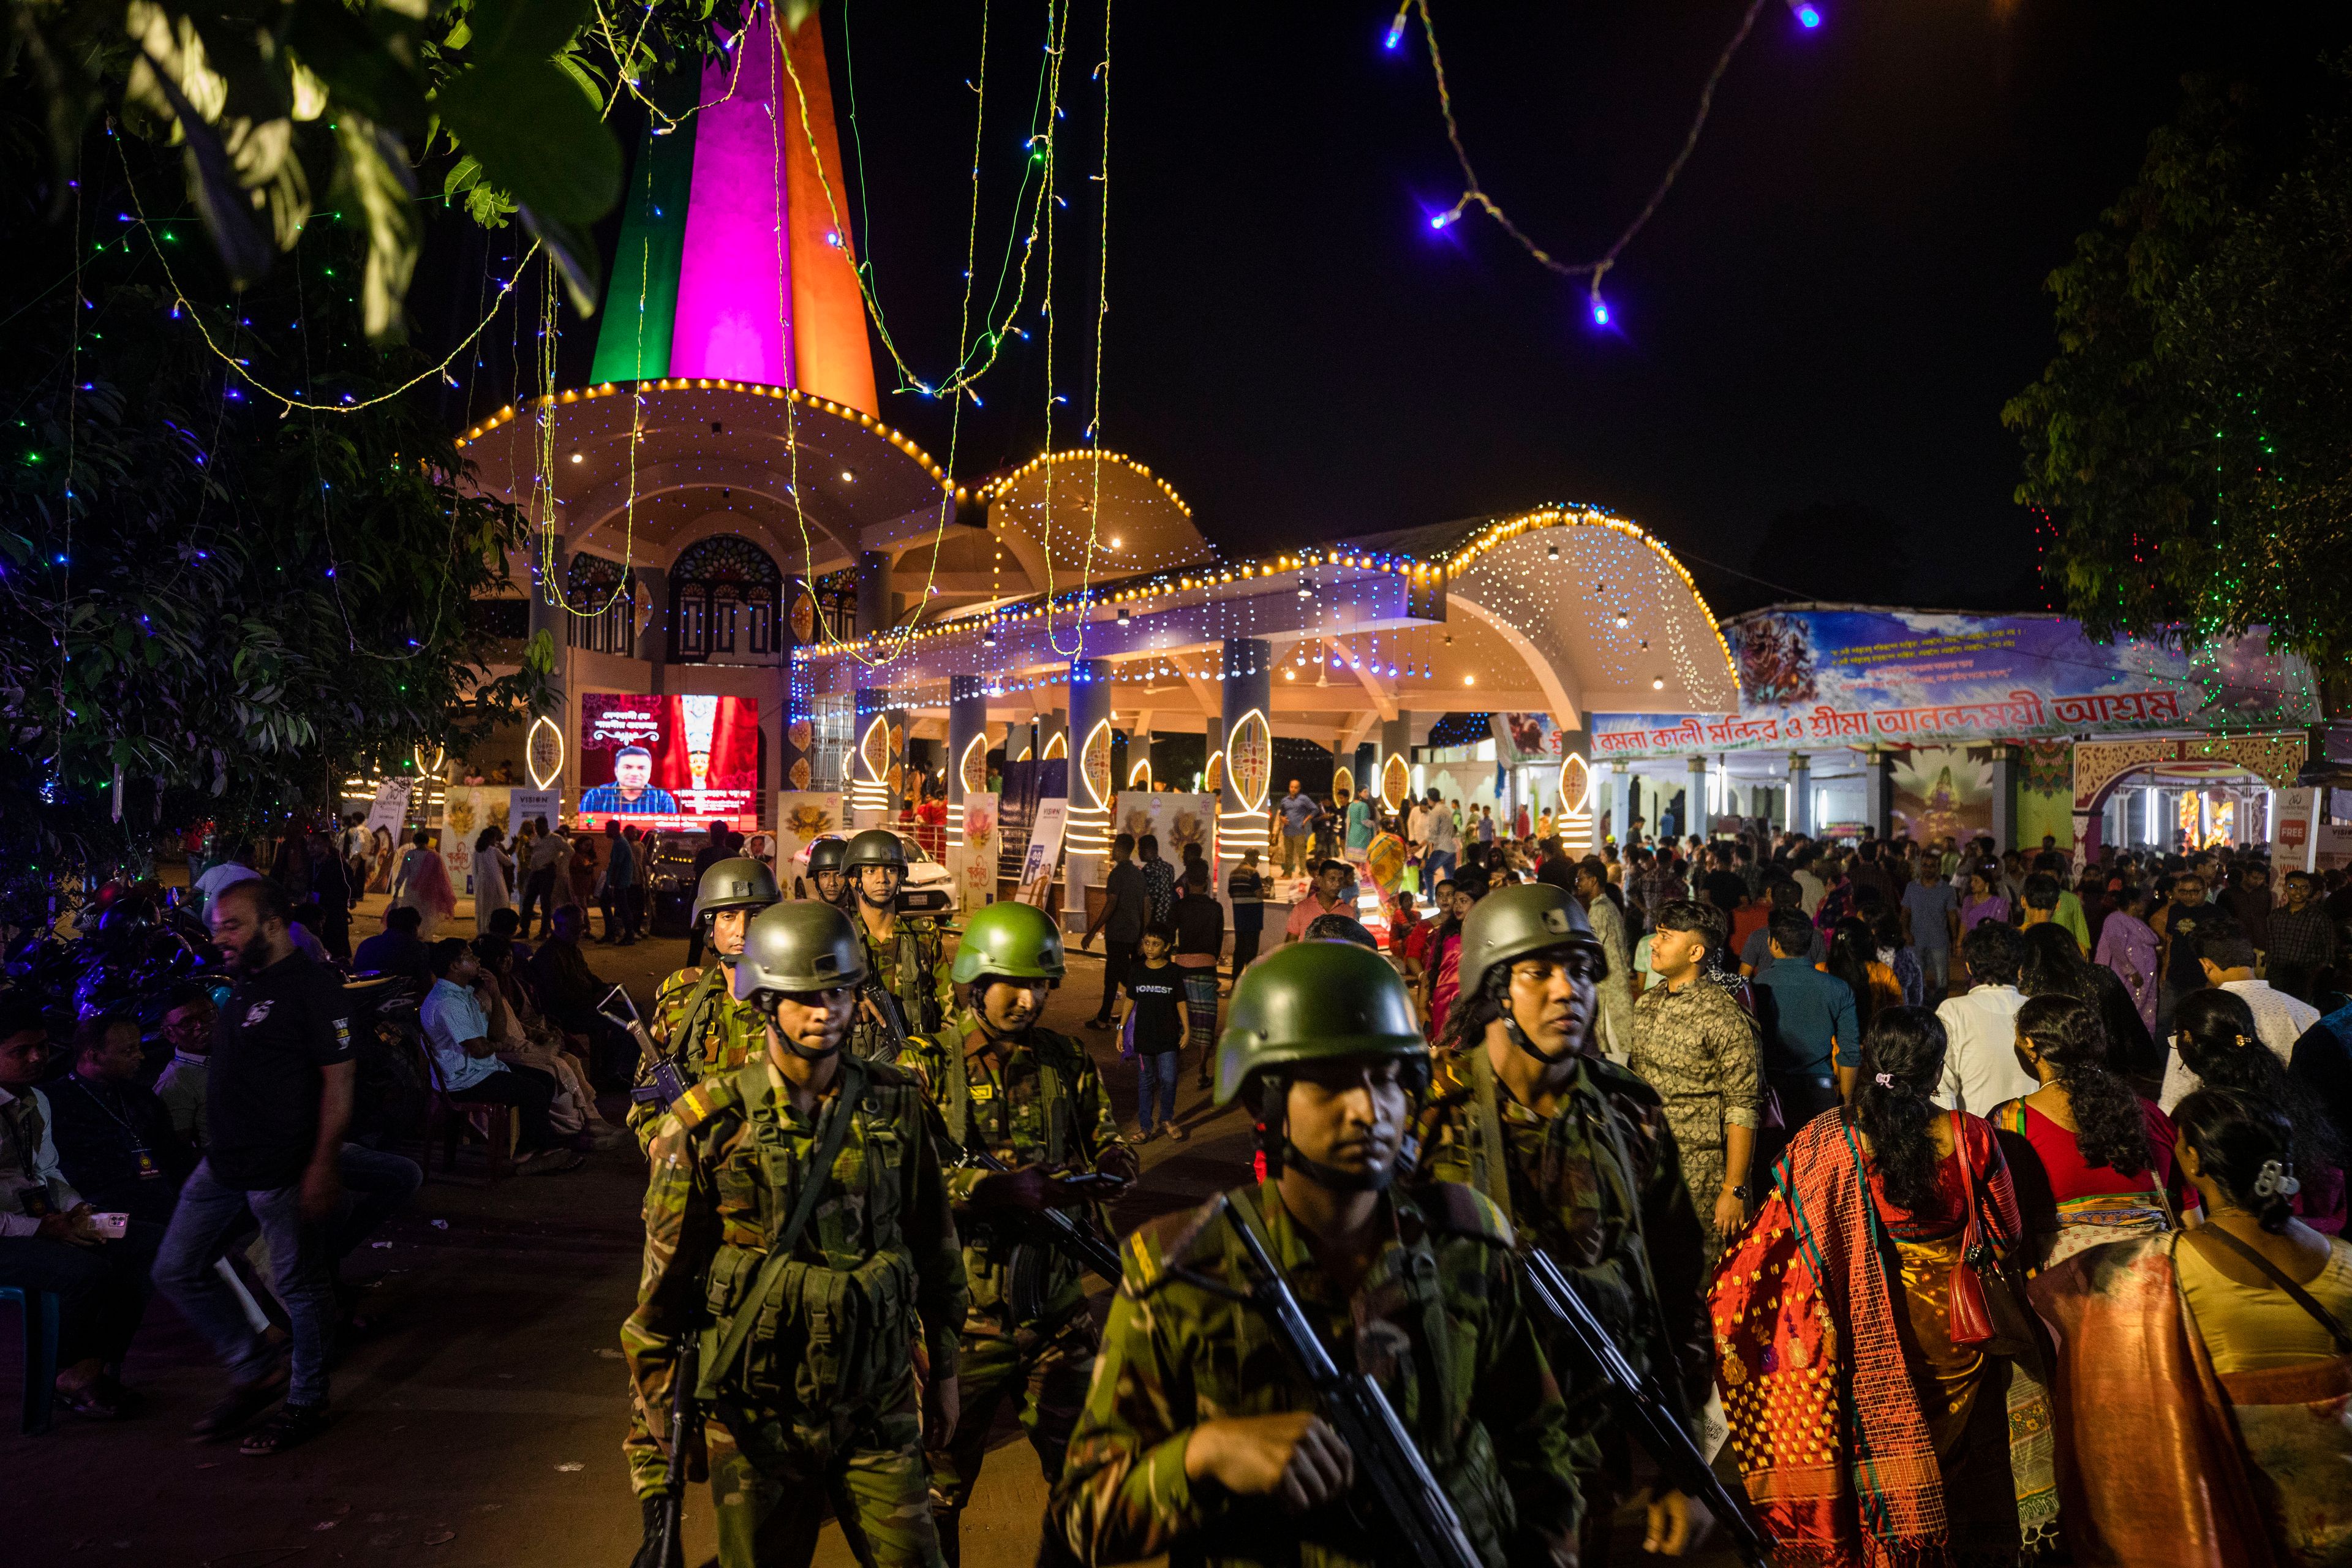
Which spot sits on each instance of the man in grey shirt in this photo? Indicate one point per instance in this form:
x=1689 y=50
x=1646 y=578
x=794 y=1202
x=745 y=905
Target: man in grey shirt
x=1931 y=923
x=1121 y=921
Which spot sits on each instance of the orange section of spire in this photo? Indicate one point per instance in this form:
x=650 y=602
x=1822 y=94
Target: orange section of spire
x=830 y=354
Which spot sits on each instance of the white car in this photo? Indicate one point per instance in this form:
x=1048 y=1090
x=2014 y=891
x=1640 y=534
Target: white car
x=930 y=886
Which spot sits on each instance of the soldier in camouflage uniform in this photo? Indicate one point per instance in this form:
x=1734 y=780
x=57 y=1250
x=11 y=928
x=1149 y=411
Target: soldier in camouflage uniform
x=1698 y=1049
x=1030 y=1097
x=827 y=880
x=696 y=1022
x=1580 y=1154
x=797 y=1227
x=904 y=951
x=1199 y=1438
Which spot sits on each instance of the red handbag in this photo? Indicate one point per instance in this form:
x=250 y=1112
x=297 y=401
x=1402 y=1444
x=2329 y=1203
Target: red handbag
x=1987 y=1311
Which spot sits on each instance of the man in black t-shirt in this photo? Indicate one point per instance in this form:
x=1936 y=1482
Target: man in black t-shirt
x=281 y=1097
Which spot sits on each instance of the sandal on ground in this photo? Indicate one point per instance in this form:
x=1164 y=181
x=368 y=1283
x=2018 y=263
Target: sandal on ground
x=93 y=1399
x=245 y=1401
x=293 y=1426
x=548 y=1162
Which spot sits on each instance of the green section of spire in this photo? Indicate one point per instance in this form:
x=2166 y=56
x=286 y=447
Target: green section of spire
x=641 y=301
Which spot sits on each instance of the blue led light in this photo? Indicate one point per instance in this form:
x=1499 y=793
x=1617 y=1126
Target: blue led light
x=1600 y=313
x=1809 y=15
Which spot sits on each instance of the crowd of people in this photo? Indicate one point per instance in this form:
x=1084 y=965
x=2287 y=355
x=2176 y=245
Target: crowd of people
x=1914 y=1160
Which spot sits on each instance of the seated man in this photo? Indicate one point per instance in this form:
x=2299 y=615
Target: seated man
x=457 y=1027
x=569 y=991
x=397 y=949
x=188 y=1022
x=49 y=1238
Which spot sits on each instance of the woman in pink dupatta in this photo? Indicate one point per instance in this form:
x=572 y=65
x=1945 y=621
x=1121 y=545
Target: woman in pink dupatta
x=423 y=884
x=1868 y=1438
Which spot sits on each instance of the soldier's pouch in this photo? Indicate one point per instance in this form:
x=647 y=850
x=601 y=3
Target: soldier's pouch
x=830 y=1336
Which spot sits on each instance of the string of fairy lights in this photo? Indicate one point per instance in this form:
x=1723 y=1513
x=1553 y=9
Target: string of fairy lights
x=1808 y=14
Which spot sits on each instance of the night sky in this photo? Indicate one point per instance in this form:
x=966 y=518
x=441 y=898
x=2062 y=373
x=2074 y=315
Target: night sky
x=1829 y=310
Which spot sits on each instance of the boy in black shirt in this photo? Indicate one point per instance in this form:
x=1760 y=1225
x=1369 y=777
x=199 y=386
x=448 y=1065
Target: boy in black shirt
x=1155 y=1005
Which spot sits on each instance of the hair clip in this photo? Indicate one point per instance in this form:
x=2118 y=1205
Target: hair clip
x=2277 y=1180
x=1887 y=1081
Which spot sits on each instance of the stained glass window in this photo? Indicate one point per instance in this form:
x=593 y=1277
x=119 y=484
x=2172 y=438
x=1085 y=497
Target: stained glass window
x=596 y=583
x=722 y=588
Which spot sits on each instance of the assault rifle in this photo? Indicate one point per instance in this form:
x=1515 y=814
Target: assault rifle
x=663 y=1085
x=682 y=1374
x=1414 y=1520
x=1639 y=1401
x=875 y=998
x=1053 y=1226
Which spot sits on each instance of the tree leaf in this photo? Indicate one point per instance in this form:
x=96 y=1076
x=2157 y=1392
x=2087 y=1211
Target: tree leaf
x=535 y=137
x=574 y=251
x=376 y=173
x=507 y=31
x=354 y=62
x=244 y=250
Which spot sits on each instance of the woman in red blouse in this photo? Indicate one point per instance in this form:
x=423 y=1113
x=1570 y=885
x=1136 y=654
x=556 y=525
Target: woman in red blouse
x=2092 y=1159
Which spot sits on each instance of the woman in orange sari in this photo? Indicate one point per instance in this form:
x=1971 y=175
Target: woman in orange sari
x=2202 y=1377
x=1865 y=1434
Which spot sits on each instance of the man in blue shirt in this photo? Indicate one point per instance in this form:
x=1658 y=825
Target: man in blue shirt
x=633 y=789
x=1813 y=1045
x=1298 y=813
x=458 y=1016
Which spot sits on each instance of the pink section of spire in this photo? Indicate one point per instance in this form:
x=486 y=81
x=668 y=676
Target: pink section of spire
x=734 y=284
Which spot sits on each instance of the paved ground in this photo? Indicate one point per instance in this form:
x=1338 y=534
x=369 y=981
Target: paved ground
x=481 y=1425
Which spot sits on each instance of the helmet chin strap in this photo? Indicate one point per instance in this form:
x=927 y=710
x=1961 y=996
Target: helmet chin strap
x=803 y=1052
x=1519 y=1037
x=1333 y=1177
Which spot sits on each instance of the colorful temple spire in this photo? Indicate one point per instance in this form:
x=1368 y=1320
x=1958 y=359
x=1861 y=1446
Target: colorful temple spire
x=730 y=264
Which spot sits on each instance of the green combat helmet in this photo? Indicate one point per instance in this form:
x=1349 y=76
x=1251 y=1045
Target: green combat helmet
x=1015 y=940
x=1509 y=923
x=740 y=883
x=825 y=854
x=874 y=847
x=799 y=945
x=1314 y=1000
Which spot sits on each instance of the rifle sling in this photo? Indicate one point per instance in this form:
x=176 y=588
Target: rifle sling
x=1433 y=1325
x=698 y=1007
x=835 y=1131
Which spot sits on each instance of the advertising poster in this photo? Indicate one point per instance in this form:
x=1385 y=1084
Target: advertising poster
x=804 y=816
x=466 y=810
x=1043 y=856
x=523 y=805
x=682 y=762
x=972 y=863
x=1858 y=677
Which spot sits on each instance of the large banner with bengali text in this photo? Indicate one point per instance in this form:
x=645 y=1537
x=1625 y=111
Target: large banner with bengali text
x=1889 y=678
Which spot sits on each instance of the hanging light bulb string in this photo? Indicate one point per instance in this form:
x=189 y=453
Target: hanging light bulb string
x=1474 y=195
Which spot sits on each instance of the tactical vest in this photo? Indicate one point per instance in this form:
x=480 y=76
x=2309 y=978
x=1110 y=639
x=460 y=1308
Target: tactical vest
x=831 y=1323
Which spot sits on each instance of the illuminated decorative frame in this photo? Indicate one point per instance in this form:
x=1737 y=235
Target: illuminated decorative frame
x=431 y=769
x=1094 y=763
x=1343 y=777
x=1140 y=776
x=1396 y=782
x=973 y=765
x=1059 y=746
x=1258 y=759
x=1574 y=824
x=531 y=746
x=870 y=792
x=1212 y=774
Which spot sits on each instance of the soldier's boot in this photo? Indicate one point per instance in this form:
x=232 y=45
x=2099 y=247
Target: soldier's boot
x=650 y=1553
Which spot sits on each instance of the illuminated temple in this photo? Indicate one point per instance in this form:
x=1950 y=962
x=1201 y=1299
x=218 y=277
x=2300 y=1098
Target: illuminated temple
x=733 y=543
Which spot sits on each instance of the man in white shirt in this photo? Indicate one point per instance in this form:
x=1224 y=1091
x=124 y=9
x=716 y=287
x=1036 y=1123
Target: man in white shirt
x=1444 y=844
x=457 y=1025
x=230 y=871
x=49 y=1241
x=1981 y=1066
x=1810 y=888
x=2227 y=955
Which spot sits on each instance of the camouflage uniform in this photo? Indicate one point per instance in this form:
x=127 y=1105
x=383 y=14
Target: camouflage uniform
x=877 y=1264
x=1046 y=1106
x=1437 y=1322
x=729 y=1034
x=1698 y=1049
x=1597 y=1185
x=912 y=967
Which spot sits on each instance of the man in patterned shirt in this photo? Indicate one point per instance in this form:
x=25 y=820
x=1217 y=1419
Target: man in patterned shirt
x=1031 y=1098
x=1695 y=1046
x=2303 y=938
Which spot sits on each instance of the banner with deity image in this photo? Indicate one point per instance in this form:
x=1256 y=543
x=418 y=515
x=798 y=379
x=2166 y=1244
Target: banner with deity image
x=1860 y=678
x=804 y=816
x=972 y=863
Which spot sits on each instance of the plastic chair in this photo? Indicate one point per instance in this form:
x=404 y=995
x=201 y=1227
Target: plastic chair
x=445 y=1121
x=40 y=1309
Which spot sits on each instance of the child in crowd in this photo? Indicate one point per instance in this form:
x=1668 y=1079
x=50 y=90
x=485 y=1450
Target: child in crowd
x=1154 y=1004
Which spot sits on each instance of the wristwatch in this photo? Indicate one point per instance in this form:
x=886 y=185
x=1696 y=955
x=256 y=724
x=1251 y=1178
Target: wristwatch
x=1742 y=1193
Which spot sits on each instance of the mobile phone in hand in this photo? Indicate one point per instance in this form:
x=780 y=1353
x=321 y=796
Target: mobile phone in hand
x=112 y=1227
